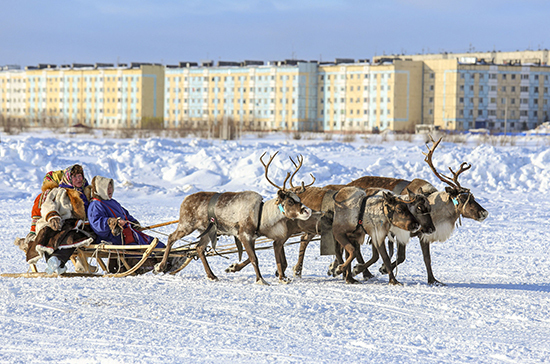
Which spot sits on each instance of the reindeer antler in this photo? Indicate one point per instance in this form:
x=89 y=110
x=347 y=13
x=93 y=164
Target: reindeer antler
x=428 y=159
x=300 y=159
x=462 y=169
x=266 y=167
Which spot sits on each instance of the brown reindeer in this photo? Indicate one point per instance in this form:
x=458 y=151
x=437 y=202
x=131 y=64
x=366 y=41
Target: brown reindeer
x=356 y=214
x=239 y=214
x=446 y=207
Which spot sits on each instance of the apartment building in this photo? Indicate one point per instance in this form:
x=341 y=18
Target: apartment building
x=278 y=96
x=99 y=95
x=498 y=91
x=358 y=96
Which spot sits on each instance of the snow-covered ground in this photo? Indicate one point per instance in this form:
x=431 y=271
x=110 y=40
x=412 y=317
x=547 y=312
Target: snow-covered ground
x=494 y=309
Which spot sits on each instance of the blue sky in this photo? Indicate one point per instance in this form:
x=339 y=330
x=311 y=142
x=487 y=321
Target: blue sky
x=169 y=31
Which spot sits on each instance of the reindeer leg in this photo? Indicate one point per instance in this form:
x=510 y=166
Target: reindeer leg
x=175 y=236
x=381 y=247
x=401 y=256
x=365 y=266
x=200 y=252
x=347 y=275
x=248 y=243
x=428 y=262
x=280 y=259
x=237 y=267
x=349 y=247
x=304 y=242
x=338 y=260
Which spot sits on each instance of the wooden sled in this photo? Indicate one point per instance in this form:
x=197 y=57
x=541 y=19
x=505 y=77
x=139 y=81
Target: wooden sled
x=99 y=252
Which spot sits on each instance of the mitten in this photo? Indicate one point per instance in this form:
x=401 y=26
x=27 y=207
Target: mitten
x=55 y=223
x=113 y=225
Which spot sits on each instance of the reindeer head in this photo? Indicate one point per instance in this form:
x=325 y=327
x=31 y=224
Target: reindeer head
x=463 y=200
x=420 y=207
x=287 y=201
x=399 y=214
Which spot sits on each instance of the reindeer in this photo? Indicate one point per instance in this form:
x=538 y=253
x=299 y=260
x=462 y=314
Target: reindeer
x=356 y=214
x=239 y=214
x=446 y=207
x=323 y=199
x=293 y=224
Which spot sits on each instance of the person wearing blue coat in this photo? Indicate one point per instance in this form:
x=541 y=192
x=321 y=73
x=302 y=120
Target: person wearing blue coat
x=114 y=224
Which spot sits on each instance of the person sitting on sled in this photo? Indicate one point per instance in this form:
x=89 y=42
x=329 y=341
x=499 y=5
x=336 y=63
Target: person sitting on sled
x=114 y=224
x=71 y=178
x=60 y=230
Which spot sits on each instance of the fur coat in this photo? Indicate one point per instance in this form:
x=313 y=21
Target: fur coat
x=64 y=204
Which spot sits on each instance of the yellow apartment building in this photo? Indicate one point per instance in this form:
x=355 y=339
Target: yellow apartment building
x=464 y=93
x=99 y=95
x=361 y=96
x=498 y=91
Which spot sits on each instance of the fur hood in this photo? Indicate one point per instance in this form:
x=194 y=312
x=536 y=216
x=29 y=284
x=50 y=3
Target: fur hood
x=99 y=187
x=61 y=202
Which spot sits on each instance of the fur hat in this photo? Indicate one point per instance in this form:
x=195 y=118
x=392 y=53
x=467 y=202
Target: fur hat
x=100 y=186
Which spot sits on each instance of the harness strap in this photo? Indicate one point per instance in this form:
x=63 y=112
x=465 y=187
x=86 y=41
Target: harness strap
x=211 y=205
x=213 y=221
x=362 y=212
x=260 y=216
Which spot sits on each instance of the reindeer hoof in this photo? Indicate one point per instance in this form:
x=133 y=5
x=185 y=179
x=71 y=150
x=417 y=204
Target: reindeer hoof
x=231 y=269
x=298 y=273
x=213 y=279
x=158 y=269
x=395 y=282
x=437 y=283
x=367 y=275
x=356 y=270
x=285 y=280
x=351 y=280
x=262 y=282
x=339 y=270
x=383 y=269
